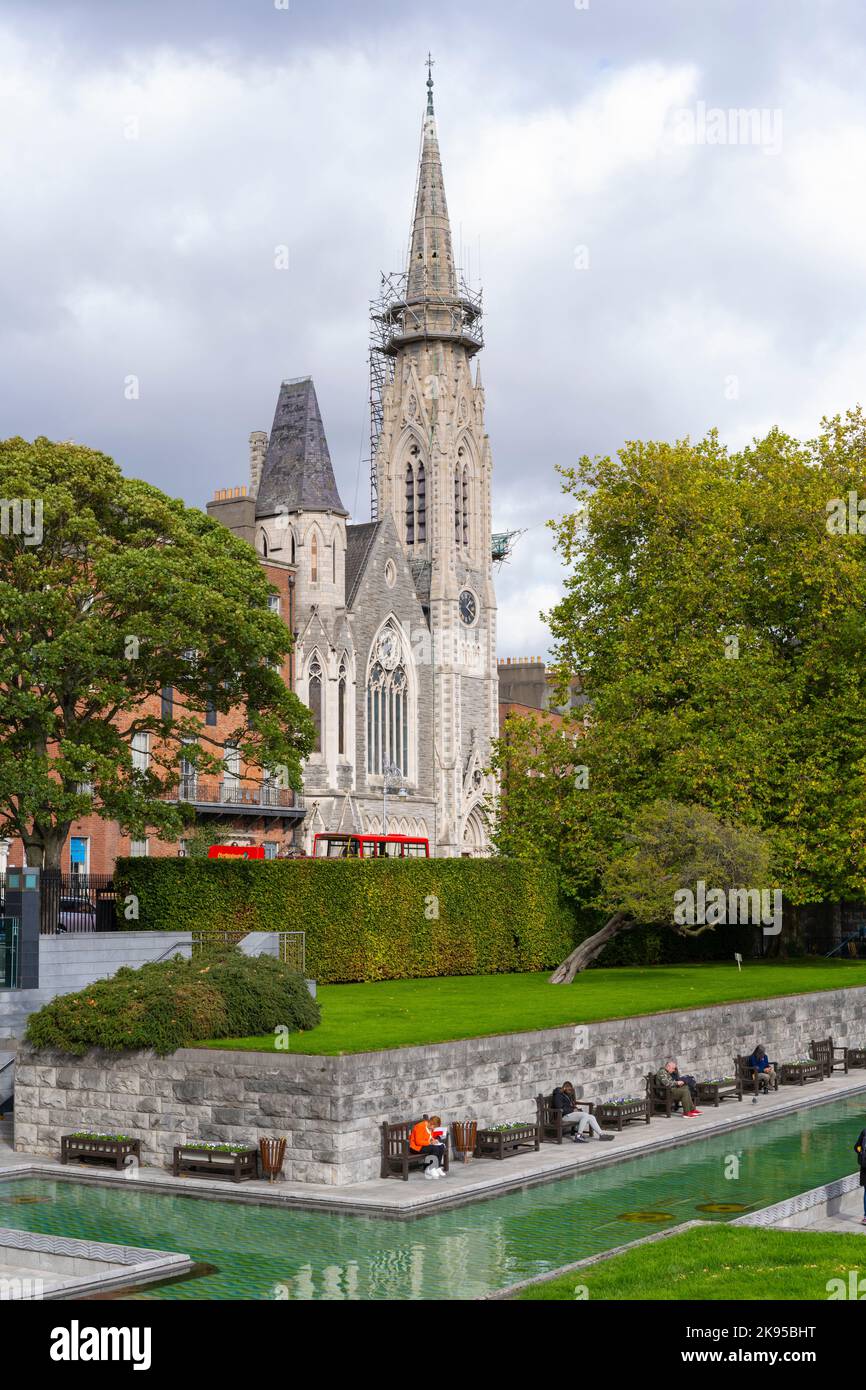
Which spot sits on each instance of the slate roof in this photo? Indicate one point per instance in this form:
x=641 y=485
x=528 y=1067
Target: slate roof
x=359 y=543
x=297 y=472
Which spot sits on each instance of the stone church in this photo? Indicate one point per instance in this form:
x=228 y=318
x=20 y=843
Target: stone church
x=395 y=618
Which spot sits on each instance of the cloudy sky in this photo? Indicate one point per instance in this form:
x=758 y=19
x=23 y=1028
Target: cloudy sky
x=652 y=264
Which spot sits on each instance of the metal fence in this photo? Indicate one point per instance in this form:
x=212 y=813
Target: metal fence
x=291 y=946
x=73 y=902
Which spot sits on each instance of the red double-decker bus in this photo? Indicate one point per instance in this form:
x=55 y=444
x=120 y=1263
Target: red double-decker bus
x=331 y=846
x=236 y=852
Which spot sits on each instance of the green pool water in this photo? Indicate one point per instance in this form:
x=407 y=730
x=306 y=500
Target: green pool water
x=264 y=1253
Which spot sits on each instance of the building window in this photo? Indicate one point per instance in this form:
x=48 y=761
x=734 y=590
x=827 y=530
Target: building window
x=314 y=559
x=274 y=603
x=210 y=713
x=314 y=700
x=167 y=702
x=231 y=772
x=410 y=505
x=79 y=854
x=465 y=506
x=138 y=849
x=341 y=709
x=188 y=774
x=387 y=719
x=141 y=751
x=422 y=504
x=270 y=848
x=458 y=519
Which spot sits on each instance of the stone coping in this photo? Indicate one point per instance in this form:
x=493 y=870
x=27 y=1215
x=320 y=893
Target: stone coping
x=804 y=1201
x=113 y=1266
x=476 y=1181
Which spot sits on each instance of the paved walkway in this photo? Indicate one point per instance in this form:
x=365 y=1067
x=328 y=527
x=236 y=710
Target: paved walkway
x=477 y=1179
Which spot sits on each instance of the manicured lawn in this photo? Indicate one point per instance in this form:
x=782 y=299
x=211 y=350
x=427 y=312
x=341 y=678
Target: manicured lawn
x=718 y=1262
x=401 y=1013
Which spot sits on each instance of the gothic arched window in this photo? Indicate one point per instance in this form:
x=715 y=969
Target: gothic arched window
x=458 y=518
x=314 y=559
x=341 y=708
x=388 y=717
x=422 y=504
x=314 y=700
x=410 y=505
x=465 y=505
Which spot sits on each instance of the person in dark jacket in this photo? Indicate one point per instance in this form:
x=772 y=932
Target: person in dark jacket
x=860 y=1151
x=565 y=1101
x=761 y=1065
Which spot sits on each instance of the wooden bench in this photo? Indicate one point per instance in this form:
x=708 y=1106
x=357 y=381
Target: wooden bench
x=552 y=1124
x=396 y=1154
x=660 y=1097
x=748 y=1077
x=824 y=1052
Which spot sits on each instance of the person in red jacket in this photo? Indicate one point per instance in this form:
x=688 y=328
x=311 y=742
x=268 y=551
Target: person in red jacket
x=422 y=1140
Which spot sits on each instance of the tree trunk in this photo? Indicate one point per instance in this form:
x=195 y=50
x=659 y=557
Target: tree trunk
x=587 y=951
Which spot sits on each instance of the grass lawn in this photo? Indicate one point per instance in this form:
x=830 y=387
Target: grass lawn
x=403 y=1013
x=718 y=1262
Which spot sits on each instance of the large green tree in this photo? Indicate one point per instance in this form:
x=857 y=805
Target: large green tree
x=110 y=592
x=715 y=607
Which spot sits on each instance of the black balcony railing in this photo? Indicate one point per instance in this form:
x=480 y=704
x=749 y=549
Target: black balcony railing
x=263 y=796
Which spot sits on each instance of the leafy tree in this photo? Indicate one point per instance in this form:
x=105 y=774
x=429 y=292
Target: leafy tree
x=118 y=593
x=669 y=849
x=715 y=608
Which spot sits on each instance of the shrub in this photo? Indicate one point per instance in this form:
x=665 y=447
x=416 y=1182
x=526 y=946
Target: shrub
x=369 y=919
x=170 y=1004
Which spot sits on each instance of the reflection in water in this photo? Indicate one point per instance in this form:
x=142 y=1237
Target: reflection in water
x=273 y=1253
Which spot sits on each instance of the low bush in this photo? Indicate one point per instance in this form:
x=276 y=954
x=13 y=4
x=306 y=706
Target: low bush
x=170 y=1004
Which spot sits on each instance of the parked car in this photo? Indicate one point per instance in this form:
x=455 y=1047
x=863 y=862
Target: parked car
x=76 y=914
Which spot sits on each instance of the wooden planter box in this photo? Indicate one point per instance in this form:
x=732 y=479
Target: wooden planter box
x=215 y=1163
x=798 y=1073
x=114 y=1151
x=499 y=1143
x=713 y=1092
x=615 y=1116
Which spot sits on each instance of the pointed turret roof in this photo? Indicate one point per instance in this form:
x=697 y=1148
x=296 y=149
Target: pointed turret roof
x=431 y=256
x=297 y=473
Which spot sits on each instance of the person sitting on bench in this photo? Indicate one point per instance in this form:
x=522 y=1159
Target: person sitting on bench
x=670 y=1080
x=565 y=1101
x=422 y=1140
x=762 y=1067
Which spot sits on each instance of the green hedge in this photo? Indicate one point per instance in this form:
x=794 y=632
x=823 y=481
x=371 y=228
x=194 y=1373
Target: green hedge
x=367 y=920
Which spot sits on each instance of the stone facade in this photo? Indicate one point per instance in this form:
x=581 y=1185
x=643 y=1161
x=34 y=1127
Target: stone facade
x=330 y=1107
x=396 y=617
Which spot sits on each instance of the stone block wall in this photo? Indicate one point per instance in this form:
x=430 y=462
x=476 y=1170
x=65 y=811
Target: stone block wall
x=330 y=1107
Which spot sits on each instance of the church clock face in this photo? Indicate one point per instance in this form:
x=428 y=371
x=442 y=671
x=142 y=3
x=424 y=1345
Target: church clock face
x=468 y=607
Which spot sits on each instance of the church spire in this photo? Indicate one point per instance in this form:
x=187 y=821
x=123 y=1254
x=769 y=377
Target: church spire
x=430 y=270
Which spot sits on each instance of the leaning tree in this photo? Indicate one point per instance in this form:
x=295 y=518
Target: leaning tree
x=110 y=593
x=670 y=851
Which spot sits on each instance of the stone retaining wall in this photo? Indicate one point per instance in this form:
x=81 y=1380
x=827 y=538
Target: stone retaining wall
x=330 y=1107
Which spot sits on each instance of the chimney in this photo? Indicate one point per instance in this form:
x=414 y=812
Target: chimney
x=258 y=449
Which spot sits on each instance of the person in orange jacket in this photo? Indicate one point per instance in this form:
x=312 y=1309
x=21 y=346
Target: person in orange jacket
x=422 y=1140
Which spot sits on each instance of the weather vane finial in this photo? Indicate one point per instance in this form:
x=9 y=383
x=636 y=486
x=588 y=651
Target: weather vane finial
x=430 y=62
